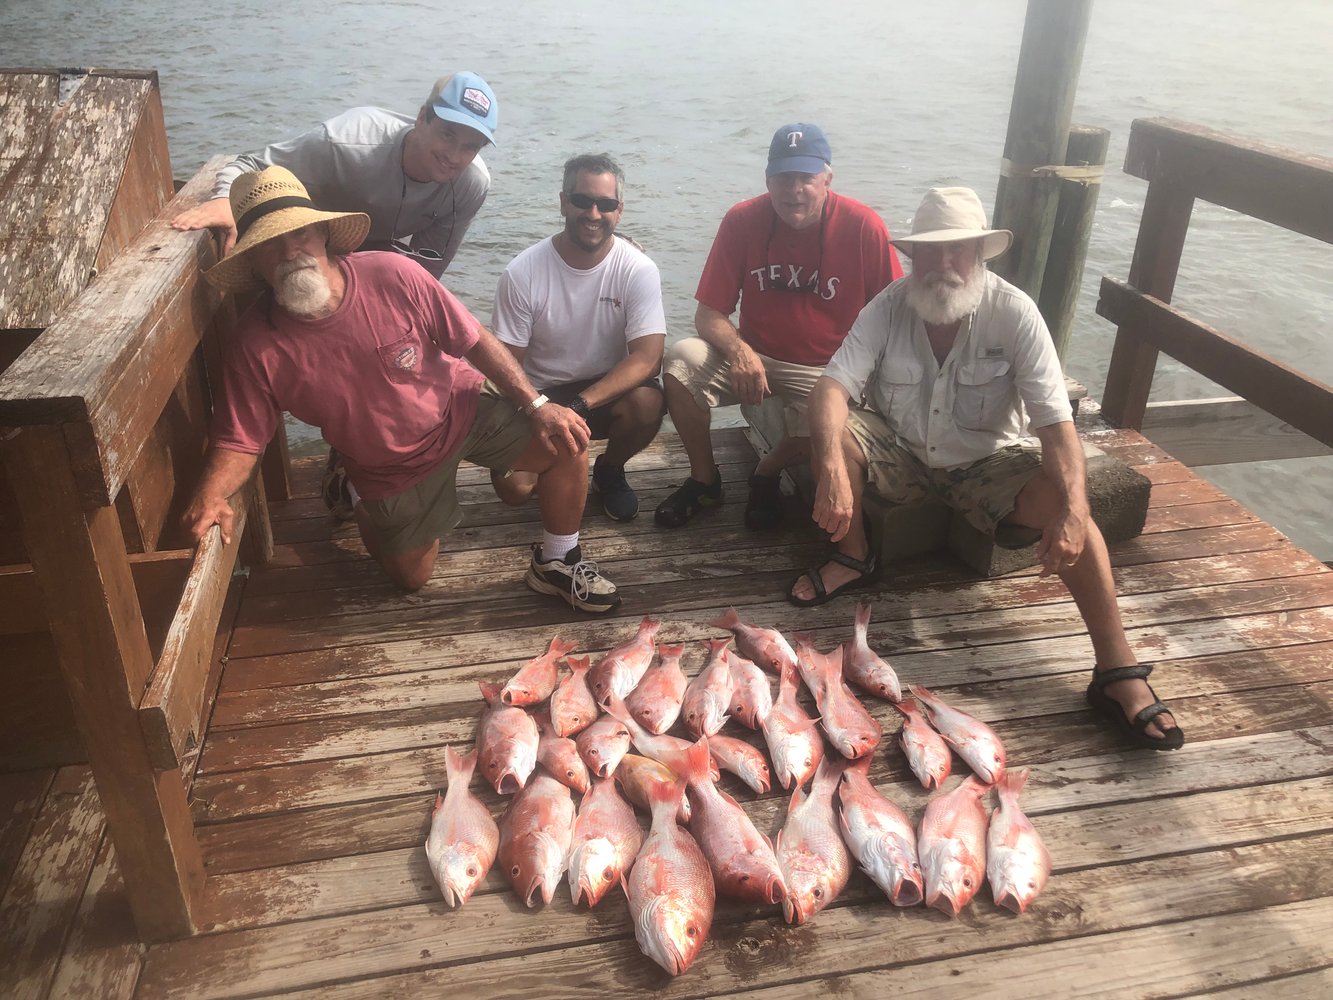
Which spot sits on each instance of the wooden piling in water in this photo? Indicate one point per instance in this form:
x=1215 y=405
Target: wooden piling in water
x=1044 y=86
x=1073 y=226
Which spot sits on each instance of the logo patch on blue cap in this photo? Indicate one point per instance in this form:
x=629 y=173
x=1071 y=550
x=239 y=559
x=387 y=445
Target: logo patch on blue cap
x=476 y=101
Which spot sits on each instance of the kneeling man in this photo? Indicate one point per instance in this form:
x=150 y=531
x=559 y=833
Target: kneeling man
x=369 y=348
x=582 y=312
x=956 y=366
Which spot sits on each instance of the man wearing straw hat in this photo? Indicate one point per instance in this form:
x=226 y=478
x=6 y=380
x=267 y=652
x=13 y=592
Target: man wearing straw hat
x=369 y=348
x=958 y=375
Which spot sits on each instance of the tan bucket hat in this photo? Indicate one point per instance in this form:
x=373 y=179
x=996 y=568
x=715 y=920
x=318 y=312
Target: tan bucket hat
x=952 y=215
x=267 y=203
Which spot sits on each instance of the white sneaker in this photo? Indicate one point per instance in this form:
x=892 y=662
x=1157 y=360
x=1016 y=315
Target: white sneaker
x=574 y=579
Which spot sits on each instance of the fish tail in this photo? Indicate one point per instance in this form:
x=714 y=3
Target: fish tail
x=862 y=619
x=459 y=766
x=665 y=650
x=907 y=707
x=559 y=647
x=1011 y=785
x=728 y=619
x=578 y=664
x=804 y=639
x=649 y=625
x=665 y=796
x=716 y=646
x=923 y=694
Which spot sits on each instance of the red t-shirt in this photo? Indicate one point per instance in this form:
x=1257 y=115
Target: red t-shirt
x=799 y=290
x=382 y=378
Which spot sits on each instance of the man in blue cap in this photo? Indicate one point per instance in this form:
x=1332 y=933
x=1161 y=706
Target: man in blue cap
x=421 y=182
x=801 y=261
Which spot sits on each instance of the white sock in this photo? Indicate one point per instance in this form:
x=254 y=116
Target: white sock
x=557 y=546
x=351 y=492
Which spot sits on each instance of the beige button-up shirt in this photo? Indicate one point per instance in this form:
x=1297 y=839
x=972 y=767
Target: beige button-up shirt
x=1000 y=380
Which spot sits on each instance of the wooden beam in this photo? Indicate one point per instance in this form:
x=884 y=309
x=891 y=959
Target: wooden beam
x=1223 y=431
x=96 y=622
x=1303 y=402
x=1288 y=188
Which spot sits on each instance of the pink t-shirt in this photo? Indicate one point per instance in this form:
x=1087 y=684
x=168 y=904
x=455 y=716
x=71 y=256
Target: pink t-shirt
x=799 y=290
x=382 y=378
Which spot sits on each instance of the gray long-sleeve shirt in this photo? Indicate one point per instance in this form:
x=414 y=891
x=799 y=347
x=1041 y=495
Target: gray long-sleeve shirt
x=354 y=163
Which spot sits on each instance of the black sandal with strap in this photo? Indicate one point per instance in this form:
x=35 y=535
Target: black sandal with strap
x=677 y=509
x=867 y=567
x=1135 y=730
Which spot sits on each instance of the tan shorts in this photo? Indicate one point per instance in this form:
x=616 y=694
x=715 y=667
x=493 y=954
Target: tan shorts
x=702 y=369
x=422 y=513
x=983 y=492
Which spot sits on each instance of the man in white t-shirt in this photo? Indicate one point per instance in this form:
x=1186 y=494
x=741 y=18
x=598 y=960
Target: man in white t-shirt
x=582 y=312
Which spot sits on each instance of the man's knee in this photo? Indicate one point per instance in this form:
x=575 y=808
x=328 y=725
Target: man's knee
x=644 y=406
x=515 y=489
x=411 y=570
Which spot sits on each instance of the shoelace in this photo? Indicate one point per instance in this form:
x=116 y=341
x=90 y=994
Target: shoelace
x=582 y=577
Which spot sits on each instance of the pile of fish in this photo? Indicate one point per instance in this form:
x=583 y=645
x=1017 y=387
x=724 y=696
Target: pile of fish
x=543 y=736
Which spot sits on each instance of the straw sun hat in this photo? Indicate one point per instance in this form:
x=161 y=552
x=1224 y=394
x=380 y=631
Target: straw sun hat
x=952 y=215
x=268 y=203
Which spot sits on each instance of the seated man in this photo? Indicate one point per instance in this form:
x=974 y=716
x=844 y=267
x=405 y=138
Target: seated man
x=367 y=347
x=956 y=366
x=802 y=261
x=582 y=312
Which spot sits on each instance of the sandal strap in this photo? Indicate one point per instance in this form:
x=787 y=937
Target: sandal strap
x=816 y=581
x=863 y=566
x=1148 y=714
x=1138 y=672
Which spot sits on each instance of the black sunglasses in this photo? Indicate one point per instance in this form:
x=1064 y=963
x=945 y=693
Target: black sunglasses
x=586 y=201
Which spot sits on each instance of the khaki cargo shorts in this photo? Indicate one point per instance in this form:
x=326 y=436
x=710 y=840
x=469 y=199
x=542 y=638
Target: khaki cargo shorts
x=702 y=369
x=422 y=513
x=983 y=492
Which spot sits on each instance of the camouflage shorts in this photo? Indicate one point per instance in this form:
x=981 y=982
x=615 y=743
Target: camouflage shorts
x=983 y=492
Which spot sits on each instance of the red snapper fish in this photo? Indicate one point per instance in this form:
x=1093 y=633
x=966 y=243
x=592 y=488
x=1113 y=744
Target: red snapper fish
x=794 y=743
x=741 y=858
x=507 y=740
x=952 y=846
x=602 y=745
x=636 y=775
x=880 y=836
x=975 y=741
x=560 y=756
x=654 y=746
x=573 y=707
x=927 y=753
x=765 y=646
x=655 y=701
x=535 y=680
x=670 y=888
x=851 y=729
x=751 y=697
x=863 y=667
x=535 y=832
x=815 y=862
x=743 y=760
x=606 y=841
x=620 y=669
x=708 y=696
x=463 y=836
x=1017 y=862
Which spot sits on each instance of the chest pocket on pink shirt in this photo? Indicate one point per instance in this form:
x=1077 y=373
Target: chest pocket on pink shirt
x=984 y=395
x=402 y=359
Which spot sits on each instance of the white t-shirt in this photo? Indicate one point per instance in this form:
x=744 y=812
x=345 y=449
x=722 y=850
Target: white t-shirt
x=576 y=324
x=1000 y=378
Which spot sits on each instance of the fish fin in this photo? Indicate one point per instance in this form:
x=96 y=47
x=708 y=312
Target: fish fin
x=439 y=803
x=614 y=706
x=907 y=707
x=490 y=691
x=728 y=619
x=922 y=694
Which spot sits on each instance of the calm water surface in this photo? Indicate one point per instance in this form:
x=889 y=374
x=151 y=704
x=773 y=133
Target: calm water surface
x=686 y=94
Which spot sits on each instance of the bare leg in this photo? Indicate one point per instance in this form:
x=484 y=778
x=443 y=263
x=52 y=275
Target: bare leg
x=636 y=418
x=410 y=570
x=562 y=486
x=1092 y=587
x=854 y=543
x=692 y=424
x=788 y=451
x=514 y=489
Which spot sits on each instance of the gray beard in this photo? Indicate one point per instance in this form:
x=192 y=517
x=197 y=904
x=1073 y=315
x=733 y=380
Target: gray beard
x=940 y=303
x=301 y=288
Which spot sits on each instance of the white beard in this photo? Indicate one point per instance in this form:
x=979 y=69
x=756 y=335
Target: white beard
x=941 y=299
x=301 y=288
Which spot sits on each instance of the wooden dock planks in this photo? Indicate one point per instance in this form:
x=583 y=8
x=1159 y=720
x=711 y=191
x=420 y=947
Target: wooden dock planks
x=1172 y=872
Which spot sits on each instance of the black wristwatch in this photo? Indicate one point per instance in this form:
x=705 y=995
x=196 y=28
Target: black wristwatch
x=580 y=406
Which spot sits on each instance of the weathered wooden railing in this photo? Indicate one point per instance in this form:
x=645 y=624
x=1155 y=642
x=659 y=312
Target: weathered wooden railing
x=1280 y=412
x=106 y=414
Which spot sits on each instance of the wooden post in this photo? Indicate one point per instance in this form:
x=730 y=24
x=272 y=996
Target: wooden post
x=1043 y=104
x=79 y=558
x=1073 y=226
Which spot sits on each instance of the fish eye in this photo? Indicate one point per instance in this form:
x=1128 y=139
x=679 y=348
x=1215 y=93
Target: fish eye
x=569 y=772
x=967 y=883
x=819 y=894
x=472 y=871
x=515 y=871
x=691 y=930
x=609 y=874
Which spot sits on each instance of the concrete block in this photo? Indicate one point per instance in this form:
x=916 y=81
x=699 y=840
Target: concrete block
x=904 y=530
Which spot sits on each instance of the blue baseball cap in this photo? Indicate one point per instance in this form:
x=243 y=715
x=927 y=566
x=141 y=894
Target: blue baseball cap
x=467 y=99
x=800 y=148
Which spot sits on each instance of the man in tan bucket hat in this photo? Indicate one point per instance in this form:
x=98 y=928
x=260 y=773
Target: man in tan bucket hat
x=965 y=401
x=370 y=349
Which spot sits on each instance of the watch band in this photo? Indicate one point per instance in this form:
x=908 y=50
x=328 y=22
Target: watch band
x=535 y=405
x=580 y=406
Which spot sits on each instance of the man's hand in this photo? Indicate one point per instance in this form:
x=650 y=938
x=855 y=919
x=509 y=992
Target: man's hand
x=748 y=379
x=203 y=513
x=212 y=214
x=833 y=500
x=1062 y=542
x=560 y=429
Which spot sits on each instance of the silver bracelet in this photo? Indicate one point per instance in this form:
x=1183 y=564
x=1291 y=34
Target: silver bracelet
x=535 y=405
